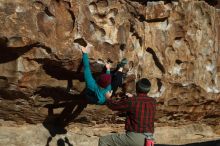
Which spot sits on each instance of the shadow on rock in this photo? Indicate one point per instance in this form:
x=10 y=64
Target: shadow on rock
x=61 y=142
x=63 y=107
x=49 y=139
x=54 y=129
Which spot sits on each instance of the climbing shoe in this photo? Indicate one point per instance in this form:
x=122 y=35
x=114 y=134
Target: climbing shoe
x=122 y=63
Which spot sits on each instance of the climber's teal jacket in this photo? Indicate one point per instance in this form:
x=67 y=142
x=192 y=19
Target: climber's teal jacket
x=91 y=83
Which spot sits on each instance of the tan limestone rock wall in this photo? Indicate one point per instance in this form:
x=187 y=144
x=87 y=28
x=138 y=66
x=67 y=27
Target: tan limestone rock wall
x=173 y=43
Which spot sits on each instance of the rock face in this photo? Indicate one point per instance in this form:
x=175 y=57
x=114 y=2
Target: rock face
x=173 y=43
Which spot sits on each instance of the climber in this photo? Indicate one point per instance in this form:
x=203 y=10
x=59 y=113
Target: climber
x=139 y=123
x=95 y=92
x=107 y=84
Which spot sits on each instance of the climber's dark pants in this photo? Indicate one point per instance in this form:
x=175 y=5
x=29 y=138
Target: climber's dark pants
x=117 y=77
